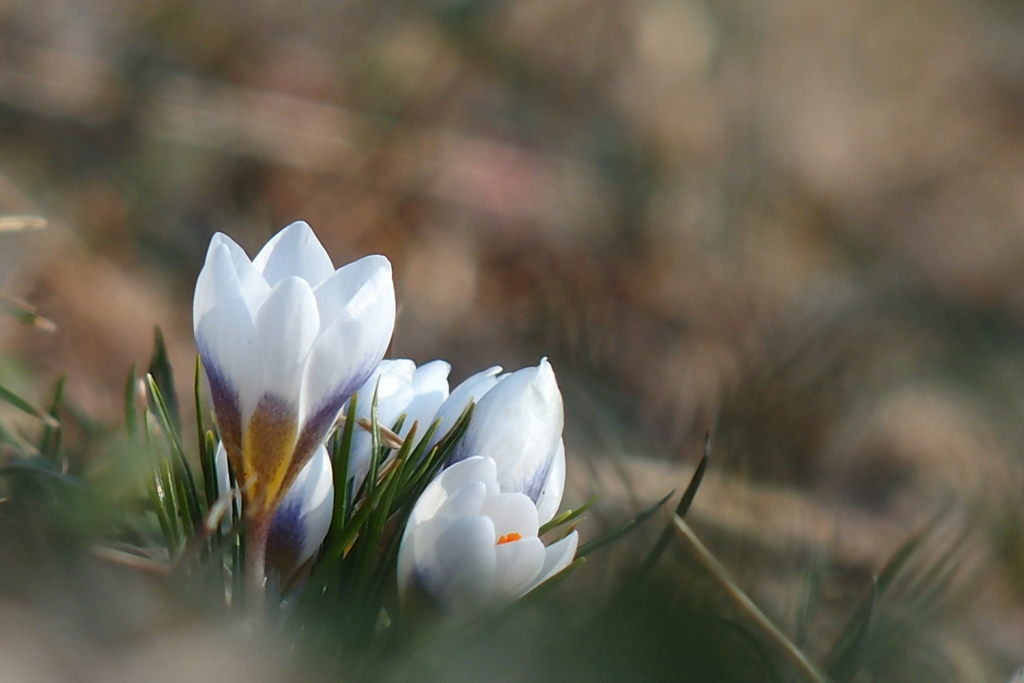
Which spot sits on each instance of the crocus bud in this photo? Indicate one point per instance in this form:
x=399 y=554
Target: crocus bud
x=469 y=549
x=402 y=389
x=472 y=389
x=518 y=424
x=285 y=339
x=300 y=523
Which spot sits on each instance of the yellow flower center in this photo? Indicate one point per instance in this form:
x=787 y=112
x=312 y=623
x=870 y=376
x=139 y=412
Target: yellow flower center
x=508 y=538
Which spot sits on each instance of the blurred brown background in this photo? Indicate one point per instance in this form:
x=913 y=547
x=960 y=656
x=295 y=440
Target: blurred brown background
x=798 y=224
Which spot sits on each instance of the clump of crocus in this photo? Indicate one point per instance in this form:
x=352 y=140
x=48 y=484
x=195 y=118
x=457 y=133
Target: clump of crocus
x=284 y=340
x=471 y=544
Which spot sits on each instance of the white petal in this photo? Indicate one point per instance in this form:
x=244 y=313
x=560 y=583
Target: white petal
x=517 y=423
x=449 y=482
x=429 y=391
x=511 y=513
x=226 y=335
x=220 y=463
x=294 y=251
x=453 y=561
x=431 y=377
x=251 y=281
x=550 y=498
x=465 y=501
x=557 y=557
x=218 y=282
x=471 y=389
x=312 y=494
x=517 y=565
x=353 y=340
x=357 y=289
x=474 y=469
x=392 y=382
x=286 y=325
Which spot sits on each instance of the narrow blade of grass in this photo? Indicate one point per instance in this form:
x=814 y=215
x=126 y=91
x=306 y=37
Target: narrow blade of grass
x=8 y=396
x=615 y=535
x=25 y=313
x=796 y=657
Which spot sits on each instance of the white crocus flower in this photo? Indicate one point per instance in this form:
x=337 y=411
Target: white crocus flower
x=517 y=422
x=402 y=389
x=469 y=549
x=300 y=523
x=285 y=339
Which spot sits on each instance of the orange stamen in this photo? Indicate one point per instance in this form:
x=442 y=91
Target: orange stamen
x=508 y=538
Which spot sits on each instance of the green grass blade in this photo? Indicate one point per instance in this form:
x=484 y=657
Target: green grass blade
x=49 y=444
x=162 y=374
x=181 y=473
x=26 y=314
x=8 y=396
x=615 y=535
x=568 y=516
x=130 y=413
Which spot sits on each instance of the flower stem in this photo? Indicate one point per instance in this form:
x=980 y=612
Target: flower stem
x=255 y=564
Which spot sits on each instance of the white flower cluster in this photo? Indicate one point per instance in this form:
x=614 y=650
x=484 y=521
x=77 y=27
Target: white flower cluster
x=285 y=340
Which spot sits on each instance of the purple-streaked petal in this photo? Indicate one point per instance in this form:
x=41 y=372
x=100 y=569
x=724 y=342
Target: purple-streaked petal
x=301 y=522
x=294 y=251
x=227 y=342
x=554 y=487
x=518 y=424
x=348 y=349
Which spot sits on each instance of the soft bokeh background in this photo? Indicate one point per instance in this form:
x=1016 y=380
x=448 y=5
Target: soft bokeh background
x=798 y=224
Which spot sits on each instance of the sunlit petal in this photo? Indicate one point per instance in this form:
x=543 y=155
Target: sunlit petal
x=551 y=492
x=557 y=557
x=517 y=423
x=294 y=252
x=517 y=565
x=512 y=513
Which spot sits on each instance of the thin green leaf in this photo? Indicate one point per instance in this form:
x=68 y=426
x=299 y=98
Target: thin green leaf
x=25 y=313
x=26 y=407
x=19 y=444
x=49 y=444
x=130 y=414
x=844 y=660
x=567 y=516
x=681 y=509
x=162 y=374
x=715 y=568
x=615 y=535
x=181 y=473
x=341 y=448
x=207 y=444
